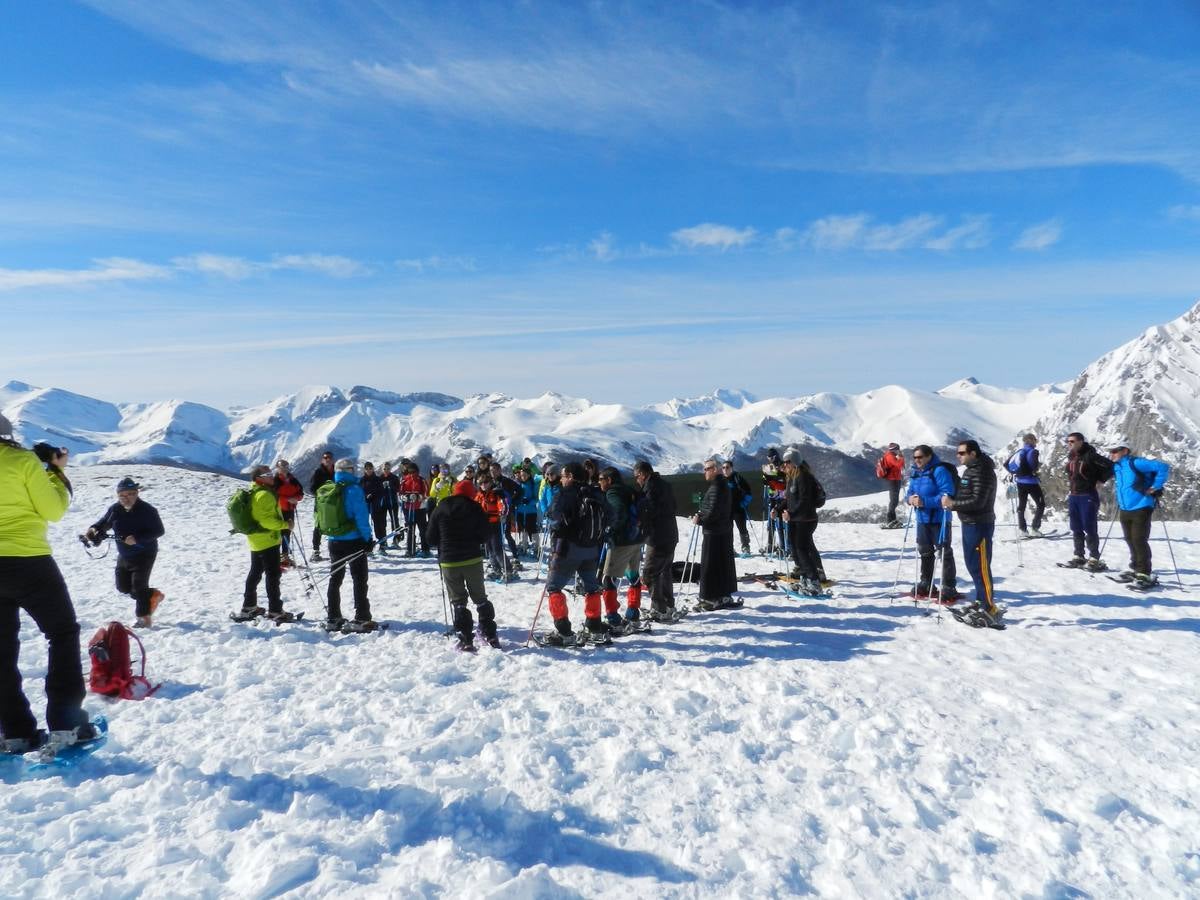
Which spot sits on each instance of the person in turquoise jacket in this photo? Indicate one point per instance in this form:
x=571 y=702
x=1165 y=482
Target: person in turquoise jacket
x=1137 y=484
x=350 y=551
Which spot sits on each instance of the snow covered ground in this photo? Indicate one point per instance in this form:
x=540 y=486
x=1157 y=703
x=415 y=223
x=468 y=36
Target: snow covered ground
x=846 y=748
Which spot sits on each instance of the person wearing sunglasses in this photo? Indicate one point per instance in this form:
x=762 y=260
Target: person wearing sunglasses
x=1138 y=486
x=1085 y=469
x=975 y=503
x=929 y=481
x=718 y=573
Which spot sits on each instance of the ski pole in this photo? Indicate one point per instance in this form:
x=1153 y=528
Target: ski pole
x=688 y=567
x=1170 y=548
x=445 y=608
x=306 y=575
x=541 y=600
x=342 y=563
x=1012 y=503
x=1111 y=522
x=939 y=559
x=900 y=559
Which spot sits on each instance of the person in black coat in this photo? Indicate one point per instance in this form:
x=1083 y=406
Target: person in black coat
x=718 y=575
x=741 y=497
x=323 y=473
x=375 y=493
x=136 y=527
x=975 y=503
x=573 y=521
x=458 y=527
x=656 y=512
x=800 y=514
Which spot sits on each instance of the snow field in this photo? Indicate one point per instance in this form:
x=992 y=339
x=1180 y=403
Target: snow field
x=845 y=747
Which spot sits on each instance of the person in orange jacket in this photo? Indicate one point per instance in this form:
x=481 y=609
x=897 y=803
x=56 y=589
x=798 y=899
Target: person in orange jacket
x=290 y=492
x=495 y=506
x=890 y=468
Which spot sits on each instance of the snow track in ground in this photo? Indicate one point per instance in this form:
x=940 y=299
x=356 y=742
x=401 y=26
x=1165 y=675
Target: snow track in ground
x=846 y=747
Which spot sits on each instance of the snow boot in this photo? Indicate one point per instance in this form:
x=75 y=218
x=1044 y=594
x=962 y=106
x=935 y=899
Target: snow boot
x=1096 y=564
x=1075 y=562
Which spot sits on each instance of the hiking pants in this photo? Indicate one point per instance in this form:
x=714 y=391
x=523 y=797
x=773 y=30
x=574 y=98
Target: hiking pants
x=977 y=555
x=893 y=499
x=133 y=578
x=263 y=563
x=1024 y=492
x=1083 y=510
x=1135 y=525
x=338 y=551
x=463 y=581
x=804 y=549
x=658 y=578
x=739 y=519
x=34 y=584
x=927 y=549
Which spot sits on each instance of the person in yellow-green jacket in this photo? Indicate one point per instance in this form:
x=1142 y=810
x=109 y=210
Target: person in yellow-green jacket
x=264 y=551
x=33 y=492
x=441 y=483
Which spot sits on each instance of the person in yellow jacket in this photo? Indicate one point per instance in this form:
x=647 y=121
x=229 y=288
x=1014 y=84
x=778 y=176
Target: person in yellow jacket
x=441 y=484
x=33 y=494
x=264 y=550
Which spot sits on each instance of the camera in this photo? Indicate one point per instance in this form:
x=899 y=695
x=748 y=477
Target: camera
x=46 y=453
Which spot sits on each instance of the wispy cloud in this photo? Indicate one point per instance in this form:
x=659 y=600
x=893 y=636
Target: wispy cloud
x=1184 y=213
x=237 y=268
x=435 y=263
x=1040 y=237
x=333 y=266
x=104 y=270
x=709 y=235
x=861 y=232
x=603 y=247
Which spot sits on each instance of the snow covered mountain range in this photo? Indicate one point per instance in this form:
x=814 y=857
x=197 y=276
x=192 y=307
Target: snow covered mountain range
x=1145 y=389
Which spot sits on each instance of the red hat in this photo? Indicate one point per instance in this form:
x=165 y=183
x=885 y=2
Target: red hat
x=465 y=488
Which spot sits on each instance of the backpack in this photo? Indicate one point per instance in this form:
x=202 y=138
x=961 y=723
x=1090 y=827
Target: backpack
x=1100 y=468
x=1018 y=464
x=592 y=522
x=112 y=671
x=331 y=510
x=818 y=494
x=880 y=471
x=240 y=508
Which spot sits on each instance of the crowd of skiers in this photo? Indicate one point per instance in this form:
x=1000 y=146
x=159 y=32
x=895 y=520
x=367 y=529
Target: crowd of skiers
x=590 y=528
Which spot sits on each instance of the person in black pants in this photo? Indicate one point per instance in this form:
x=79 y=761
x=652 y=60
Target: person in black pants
x=800 y=514
x=741 y=496
x=323 y=474
x=137 y=527
x=656 y=512
x=391 y=500
x=718 y=576
x=32 y=494
x=374 y=493
x=350 y=550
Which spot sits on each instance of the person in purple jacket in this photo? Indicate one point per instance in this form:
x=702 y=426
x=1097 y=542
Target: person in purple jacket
x=1024 y=465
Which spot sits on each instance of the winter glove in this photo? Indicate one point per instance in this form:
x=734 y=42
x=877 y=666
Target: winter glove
x=370 y=548
x=1156 y=494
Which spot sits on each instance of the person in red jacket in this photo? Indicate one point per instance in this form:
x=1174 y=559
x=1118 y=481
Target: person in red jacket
x=495 y=505
x=413 y=491
x=890 y=468
x=290 y=491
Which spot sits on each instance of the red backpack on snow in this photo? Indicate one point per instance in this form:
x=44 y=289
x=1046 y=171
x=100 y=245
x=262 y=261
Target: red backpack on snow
x=112 y=670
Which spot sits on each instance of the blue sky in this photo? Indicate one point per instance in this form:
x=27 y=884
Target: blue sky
x=225 y=200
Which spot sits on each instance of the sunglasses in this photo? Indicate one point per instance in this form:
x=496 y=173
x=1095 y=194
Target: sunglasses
x=920 y=456
x=963 y=452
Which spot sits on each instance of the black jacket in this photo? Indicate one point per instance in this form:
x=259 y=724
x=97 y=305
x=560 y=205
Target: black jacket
x=716 y=508
x=141 y=520
x=1081 y=470
x=975 y=500
x=621 y=500
x=800 y=498
x=373 y=491
x=565 y=512
x=657 y=513
x=458 y=527
x=319 y=477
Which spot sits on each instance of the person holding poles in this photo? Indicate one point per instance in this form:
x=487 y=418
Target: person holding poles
x=290 y=493
x=930 y=481
x=975 y=502
x=1138 y=485
x=458 y=527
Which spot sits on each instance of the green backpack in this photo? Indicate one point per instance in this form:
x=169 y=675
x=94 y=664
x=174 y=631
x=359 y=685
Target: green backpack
x=240 y=508
x=331 y=511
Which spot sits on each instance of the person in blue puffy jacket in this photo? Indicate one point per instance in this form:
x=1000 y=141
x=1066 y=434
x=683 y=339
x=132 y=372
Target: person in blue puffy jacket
x=350 y=551
x=1138 y=484
x=929 y=481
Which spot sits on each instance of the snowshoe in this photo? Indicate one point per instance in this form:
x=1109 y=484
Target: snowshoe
x=1143 y=583
x=334 y=625
x=1075 y=562
x=1096 y=565
x=948 y=597
x=466 y=644
x=555 y=638
x=363 y=626
x=316 y=556
x=977 y=616
x=283 y=617
x=1125 y=577
x=247 y=614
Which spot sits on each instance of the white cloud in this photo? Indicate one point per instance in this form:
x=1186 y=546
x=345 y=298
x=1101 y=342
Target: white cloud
x=837 y=232
x=334 y=266
x=232 y=267
x=972 y=234
x=438 y=264
x=904 y=234
x=602 y=247
x=709 y=235
x=105 y=270
x=1184 y=213
x=1039 y=237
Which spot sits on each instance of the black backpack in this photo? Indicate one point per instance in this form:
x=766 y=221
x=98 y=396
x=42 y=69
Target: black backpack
x=818 y=494
x=1100 y=468
x=592 y=521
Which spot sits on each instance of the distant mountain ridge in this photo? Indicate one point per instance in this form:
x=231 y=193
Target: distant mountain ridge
x=1146 y=389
